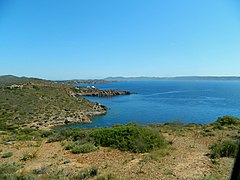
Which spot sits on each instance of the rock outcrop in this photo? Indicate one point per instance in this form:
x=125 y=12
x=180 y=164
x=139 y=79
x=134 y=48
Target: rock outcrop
x=92 y=91
x=82 y=118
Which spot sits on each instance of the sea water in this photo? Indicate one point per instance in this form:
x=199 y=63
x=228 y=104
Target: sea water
x=160 y=101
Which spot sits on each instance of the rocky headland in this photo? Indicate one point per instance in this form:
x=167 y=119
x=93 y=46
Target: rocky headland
x=78 y=117
x=92 y=91
x=41 y=104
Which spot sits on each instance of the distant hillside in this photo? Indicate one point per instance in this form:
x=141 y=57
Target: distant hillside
x=173 y=78
x=82 y=81
x=10 y=79
x=41 y=104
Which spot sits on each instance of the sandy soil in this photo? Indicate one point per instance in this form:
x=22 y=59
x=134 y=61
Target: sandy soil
x=187 y=159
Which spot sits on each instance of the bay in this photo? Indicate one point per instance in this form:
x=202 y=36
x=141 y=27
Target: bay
x=160 y=101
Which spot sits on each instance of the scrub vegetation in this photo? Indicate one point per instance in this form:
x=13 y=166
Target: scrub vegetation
x=170 y=150
x=39 y=104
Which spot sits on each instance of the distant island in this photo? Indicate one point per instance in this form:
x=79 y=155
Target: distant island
x=144 y=78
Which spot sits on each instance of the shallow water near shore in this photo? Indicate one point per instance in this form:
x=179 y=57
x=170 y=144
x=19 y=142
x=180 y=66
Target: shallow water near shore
x=162 y=101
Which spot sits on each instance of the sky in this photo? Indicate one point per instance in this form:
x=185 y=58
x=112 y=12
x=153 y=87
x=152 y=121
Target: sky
x=81 y=39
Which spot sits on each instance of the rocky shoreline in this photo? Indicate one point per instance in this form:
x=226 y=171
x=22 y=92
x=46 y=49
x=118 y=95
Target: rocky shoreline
x=92 y=91
x=84 y=117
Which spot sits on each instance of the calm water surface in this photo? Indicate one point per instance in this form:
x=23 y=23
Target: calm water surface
x=167 y=100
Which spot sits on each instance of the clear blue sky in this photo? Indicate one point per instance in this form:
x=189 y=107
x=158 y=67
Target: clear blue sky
x=66 y=39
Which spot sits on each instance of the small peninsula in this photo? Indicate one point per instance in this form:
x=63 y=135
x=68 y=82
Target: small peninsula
x=92 y=91
x=42 y=104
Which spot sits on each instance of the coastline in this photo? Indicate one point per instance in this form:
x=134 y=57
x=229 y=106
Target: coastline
x=85 y=117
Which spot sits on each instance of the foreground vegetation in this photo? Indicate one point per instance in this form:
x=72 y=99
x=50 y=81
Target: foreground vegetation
x=150 y=146
x=131 y=137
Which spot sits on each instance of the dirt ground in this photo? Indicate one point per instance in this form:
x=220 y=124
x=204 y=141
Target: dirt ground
x=186 y=158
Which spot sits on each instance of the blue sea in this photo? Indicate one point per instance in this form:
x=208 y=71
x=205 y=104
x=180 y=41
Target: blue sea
x=160 y=101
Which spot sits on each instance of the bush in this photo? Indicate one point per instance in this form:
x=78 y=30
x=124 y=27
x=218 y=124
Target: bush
x=8 y=168
x=7 y=155
x=62 y=134
x=7 y=127
x=80 y=135
x=129 y=138
x=27 y=156
x=26 y=134
x=69 y=146
x=174 y=124
x=46 y=133
x=228 y=120
x=84 y=148
x=86 y=173
x=54 y=138
x=41 y=170
x=224 y=149
x=217 y=125
x=207 y=132
x=27 y=130
x=106 y=176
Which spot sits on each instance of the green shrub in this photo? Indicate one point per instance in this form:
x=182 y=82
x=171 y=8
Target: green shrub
x=69 y=146
x=59 y=135
x=217 y=125
x=27 y=130
x=46 y=133
x=24 y=137
x=27 y=156
x=8 y=168
x=26 y=134
x=80 y=135
x=41 y=170
x=9 y=138
x=7 y=127
x=129 y=138
x=228 y=120
x=7 y=155
x=174 y=124
x=86 y=173
x=223 y=149
x=107 y=176
x=84 y=148
x=55 y=138
x=207 y=132
x=233 y=127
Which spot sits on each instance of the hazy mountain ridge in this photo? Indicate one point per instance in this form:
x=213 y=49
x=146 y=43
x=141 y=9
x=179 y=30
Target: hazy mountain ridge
x=173 y=78
x=10 y=79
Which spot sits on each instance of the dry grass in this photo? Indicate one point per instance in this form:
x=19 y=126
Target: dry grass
x=186 y=158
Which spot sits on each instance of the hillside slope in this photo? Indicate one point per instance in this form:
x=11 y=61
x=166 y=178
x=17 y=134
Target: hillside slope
x=42 y=104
